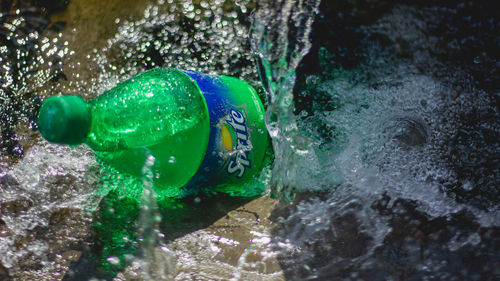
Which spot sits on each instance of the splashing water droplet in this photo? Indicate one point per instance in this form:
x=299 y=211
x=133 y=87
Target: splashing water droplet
x=113 y=260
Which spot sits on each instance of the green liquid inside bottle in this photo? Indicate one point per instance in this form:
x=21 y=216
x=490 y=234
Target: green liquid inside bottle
x=161 y=110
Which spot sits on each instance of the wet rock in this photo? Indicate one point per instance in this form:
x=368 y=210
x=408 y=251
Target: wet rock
x=160 y=265
x=16 y=207
x=474 y=153
x=446 y=246
x=30 y=262
x=235 y=246
x=417 y=246
x=26 y=130
x=8 y=182
x=69 y=228
x=234 y=234
x=51 y=249
x=132 y=272
x=27 y=244
x=23 y=242
x=62 y=187
x=71 y=255
x=4 y=229
x=54 y=269
x=309 y=244
x=4 y=273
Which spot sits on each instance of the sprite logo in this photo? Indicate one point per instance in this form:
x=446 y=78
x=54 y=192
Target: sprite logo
x=239 y=160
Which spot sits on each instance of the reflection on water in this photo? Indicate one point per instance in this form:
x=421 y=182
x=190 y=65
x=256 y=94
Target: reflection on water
x=390 y=147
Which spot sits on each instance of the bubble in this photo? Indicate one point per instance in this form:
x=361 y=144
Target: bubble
x=171 y=159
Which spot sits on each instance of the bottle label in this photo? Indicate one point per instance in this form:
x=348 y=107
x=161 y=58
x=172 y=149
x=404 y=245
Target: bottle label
x=238 y=137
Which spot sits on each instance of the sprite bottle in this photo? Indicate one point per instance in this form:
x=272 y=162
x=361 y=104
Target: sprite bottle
x=201 y=129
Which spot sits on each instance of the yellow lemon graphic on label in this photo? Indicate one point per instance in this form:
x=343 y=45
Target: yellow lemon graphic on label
x=227 y=140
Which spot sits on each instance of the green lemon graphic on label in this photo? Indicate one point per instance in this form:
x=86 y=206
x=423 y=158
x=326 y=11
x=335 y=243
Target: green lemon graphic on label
x=227 y=140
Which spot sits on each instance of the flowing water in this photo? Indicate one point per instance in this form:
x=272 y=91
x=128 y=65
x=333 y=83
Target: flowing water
x=402 y=112
x=385 y=125
x=280 y=38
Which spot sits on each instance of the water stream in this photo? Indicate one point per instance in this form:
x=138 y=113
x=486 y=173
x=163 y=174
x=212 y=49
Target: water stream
x=385 y=125
x=280 y=38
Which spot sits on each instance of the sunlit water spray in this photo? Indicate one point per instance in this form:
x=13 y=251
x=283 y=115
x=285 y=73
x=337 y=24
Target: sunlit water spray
x=208 y=36
x=51 y=181
x=382 y=135
x=280 y=38
x=375 y=146
x=157 y=261
x=39 y=195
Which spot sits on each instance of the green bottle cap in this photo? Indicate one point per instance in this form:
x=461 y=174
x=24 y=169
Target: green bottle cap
x=64 y=119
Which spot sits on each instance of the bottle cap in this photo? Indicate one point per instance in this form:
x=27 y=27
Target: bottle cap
x=64 y=119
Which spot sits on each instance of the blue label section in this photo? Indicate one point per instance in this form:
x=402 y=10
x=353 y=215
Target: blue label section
x=219 y=106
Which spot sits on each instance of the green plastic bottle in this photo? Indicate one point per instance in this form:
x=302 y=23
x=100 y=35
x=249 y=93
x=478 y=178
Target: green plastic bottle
x=201 y=129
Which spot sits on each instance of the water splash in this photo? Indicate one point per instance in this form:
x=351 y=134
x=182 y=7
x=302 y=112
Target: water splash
x=388 y=129
x=406 y=146
x=29 y=61
x=280 y=38
x=39 y=196
x=208 y=36
x=46 y=195
x=158 y=262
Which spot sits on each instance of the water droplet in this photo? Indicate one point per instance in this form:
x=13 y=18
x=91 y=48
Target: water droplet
x=113 y=260
x=128 y=257
x=171 y=160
